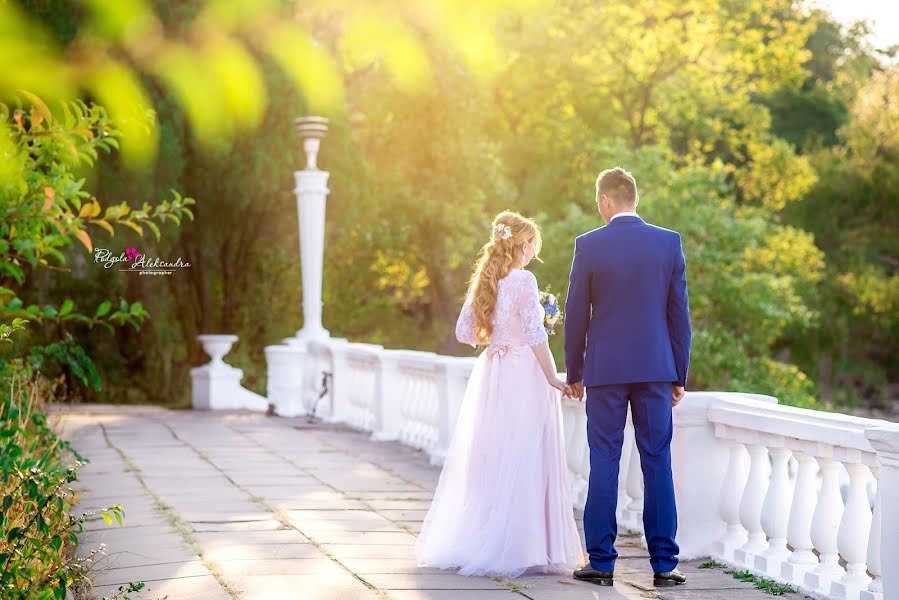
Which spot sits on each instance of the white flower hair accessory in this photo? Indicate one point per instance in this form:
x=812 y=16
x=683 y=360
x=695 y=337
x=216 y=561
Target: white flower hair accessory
x=502 y=231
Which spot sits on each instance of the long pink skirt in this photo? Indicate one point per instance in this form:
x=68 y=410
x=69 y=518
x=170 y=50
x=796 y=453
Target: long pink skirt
x=503 y=502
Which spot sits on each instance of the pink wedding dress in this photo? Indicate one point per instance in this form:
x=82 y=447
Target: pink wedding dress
x=503 y=502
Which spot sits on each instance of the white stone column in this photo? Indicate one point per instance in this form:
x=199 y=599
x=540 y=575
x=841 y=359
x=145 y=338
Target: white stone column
x=800 y=526
x=885 y=441
x=875 y=567
x=729 y=502
x=852 y=536
x=751 y=506
x=388 y=418
x=311 y=191
x=776 y=513
x=825 y=526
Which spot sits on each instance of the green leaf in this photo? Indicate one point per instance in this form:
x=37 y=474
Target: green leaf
x=66 y=307
x=103 y=309
x=154 y=228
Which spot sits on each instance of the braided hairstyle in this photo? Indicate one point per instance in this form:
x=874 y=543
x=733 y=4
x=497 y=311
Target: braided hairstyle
x=510 y=231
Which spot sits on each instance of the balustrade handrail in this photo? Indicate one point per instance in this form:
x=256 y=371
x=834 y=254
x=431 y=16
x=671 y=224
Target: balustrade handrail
x=803 y=424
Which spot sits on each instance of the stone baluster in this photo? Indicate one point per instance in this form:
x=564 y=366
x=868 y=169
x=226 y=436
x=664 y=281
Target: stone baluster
x=825 y=525
x=776 y=514
x=340 y=385
x=799 y=529
x=387 y=407
x=731 y=493
x=751 y=506
x=442 y=376
x=875 y=567
x=855 y=526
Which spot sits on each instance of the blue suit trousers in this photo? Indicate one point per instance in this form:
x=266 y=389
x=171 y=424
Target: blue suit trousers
x=606 y=416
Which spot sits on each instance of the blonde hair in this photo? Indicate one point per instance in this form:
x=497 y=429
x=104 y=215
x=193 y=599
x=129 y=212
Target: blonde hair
x=496 y=260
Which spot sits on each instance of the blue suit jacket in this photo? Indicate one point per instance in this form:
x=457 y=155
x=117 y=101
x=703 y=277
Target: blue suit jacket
x=627 y=319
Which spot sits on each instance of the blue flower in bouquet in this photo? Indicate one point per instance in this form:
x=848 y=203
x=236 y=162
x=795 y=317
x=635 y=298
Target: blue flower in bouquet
x=552 y=312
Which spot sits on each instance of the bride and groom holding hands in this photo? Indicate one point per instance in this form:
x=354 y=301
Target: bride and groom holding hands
x=503 y=502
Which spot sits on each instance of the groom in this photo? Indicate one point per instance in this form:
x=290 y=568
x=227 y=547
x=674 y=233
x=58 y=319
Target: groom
x=627 y=340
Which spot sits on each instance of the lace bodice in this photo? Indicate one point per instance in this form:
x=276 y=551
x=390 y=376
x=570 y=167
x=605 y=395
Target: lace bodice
x=518 y=317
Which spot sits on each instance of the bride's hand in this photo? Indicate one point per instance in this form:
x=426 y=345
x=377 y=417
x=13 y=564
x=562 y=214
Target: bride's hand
x=558 y=384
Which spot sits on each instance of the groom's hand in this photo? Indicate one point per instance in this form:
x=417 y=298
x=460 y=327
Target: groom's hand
x=577 y=390
x=677 y=394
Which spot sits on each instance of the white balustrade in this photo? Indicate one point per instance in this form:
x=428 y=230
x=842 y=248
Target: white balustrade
x=757 y=484
x=363 y=366
x=419 y=398
x=806 y=532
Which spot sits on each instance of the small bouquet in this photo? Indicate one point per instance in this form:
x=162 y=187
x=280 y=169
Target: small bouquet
x=552 y=312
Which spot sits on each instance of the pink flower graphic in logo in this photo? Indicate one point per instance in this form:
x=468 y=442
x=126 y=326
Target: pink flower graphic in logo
x=132 y=253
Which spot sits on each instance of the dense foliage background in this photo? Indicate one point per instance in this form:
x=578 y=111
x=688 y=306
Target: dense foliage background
x=763 y=131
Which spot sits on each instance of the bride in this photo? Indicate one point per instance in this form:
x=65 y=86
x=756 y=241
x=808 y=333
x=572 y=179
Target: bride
x=503 y=502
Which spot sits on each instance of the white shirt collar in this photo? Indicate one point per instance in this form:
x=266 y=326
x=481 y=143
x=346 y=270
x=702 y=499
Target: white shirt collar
x=624 y=214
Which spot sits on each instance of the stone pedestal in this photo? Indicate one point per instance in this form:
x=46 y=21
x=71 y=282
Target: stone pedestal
x=285 y=379
x=216 y=385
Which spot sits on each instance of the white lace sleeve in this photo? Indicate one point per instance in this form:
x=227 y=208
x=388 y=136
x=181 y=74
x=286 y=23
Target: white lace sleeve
x=530 y=311
x=465 y=325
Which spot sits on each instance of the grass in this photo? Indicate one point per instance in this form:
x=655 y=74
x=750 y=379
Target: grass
x=712 y=564
x=769 y=586
x=514 y=586
x=630 y=533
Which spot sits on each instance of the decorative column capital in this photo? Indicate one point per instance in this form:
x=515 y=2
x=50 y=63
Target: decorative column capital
x=311 y=130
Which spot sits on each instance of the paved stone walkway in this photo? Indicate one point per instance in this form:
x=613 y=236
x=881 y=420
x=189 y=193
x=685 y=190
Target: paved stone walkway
x=237 y=505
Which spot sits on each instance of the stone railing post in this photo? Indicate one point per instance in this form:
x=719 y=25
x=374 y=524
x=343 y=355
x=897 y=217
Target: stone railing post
x=885 y=441
x=875 y=567
x=699 y=463
x=285 y=379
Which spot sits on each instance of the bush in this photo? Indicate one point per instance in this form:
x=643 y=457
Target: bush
x=38 y=536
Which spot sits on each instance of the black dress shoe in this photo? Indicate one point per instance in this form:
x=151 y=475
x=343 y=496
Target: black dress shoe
x=590 y=574
x=669 y=578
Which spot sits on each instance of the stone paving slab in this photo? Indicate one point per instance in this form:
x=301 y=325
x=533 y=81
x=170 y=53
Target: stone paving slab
x=235 y=505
